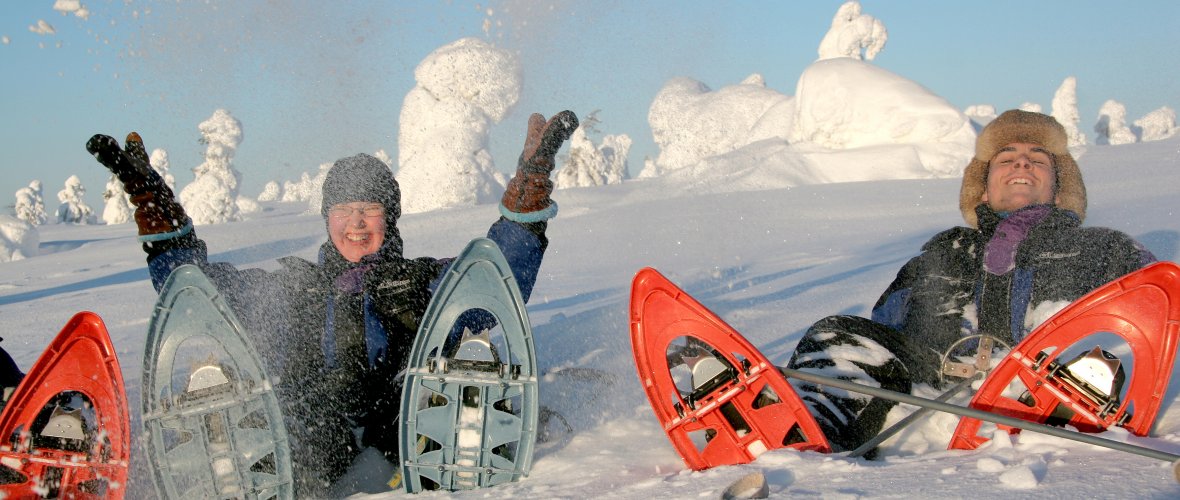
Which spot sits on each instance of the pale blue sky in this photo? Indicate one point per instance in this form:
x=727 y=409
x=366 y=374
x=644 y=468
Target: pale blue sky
x=312 y=81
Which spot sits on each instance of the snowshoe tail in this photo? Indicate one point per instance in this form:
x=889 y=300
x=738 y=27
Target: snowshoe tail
x=720 y=401
x=1143 y=309
x=469 y=412
x=65 y=431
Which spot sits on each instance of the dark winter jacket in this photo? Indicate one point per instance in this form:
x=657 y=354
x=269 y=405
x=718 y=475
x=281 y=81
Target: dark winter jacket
x=1005 y=278
x=336 y=334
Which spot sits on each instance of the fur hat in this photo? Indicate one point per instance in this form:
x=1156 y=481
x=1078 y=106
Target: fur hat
x=1022 y=126
x=362 y=178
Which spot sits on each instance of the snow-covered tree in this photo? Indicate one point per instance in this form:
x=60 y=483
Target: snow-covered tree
x=18 y=239
x=73 y=208
x=650 y=170
x=159 y=162
x=1031 y=107
x=1157 y=125
x=270 y=192
x=247 y=205
x=30 y=204
x=855 y=35
x=463 y=88
x=297 y=191
x=1112 y=126
x=116 y=204
x=314 y=188
x=589 y=165
x=1065 y=110
x=690 y=121
x=380 y=154
x=212 y=196
x=980 y=115
x=981 y=111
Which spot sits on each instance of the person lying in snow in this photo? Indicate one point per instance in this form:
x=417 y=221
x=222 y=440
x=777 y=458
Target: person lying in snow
x=337 y=331
x=1023 y=257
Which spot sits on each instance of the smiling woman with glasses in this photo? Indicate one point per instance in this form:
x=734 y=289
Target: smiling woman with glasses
x=336 y=331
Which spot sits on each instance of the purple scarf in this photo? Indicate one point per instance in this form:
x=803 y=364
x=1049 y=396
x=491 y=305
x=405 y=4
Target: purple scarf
x=1000 y=255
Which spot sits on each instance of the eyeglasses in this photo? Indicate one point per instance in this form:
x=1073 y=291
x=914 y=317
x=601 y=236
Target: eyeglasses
x=346 y=211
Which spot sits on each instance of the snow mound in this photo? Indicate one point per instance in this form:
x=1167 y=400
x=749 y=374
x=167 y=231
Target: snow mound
x=18 y=239
x=845 y=103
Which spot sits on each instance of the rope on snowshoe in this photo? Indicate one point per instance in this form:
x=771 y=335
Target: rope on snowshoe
x=983 y=415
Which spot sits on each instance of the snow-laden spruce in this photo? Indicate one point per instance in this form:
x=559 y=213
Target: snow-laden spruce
x=18 y=239
x=1157 y=125
x=463 y=88
x=212 y=196
x=159 y=161
x=1065 y=111
x=116 y=207
x=980 y=115
x=1112 y=126
x=588 y=164
x=73 y=208
x=853 y=34
x=30 y=204
x=270 y=192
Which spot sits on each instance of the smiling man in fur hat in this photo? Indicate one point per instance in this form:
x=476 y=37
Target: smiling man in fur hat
x=1023 y=257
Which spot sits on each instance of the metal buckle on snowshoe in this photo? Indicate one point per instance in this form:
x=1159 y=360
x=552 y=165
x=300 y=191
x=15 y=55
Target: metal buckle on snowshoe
x=65 y=424
x=1096 y=375
x=475 y=352
x=206 y=381
x=982 y=362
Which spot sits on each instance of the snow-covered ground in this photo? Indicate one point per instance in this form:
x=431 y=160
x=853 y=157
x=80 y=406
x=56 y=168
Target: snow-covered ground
x=770 y=262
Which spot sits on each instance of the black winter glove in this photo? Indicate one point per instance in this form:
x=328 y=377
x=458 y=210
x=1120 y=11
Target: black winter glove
x=157 y=214
x=526 y=198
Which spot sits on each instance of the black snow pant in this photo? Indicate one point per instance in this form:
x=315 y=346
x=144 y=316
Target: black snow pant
x=10 y=375
x=858 y=350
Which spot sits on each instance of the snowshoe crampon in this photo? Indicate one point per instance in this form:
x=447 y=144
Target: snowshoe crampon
x=65 y=430
x=719 y=399
x=214 y=428
x=1039 y=382
x=470 y=399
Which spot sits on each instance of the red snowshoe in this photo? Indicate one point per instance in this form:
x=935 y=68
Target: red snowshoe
x=65 y=430
x=719 y=399
x=1090 y=392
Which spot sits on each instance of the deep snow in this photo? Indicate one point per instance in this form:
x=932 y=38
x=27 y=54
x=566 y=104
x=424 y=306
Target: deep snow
x=770 y=262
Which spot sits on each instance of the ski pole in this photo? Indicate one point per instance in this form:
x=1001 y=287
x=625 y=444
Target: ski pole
x=979 y=414
x=911 y=418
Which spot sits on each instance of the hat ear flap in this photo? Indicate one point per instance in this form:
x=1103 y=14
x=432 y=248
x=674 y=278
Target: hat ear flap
x=1071 y=191
x=973 y=191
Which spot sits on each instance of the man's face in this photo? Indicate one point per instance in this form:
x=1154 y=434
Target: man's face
x=1021 y=174
x=357 y=228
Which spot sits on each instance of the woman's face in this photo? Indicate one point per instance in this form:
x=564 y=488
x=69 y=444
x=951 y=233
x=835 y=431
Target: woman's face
x=356 y=228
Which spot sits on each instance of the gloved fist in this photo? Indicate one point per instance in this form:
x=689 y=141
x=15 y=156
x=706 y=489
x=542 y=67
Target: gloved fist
x=526 y=199
x=131 y=167
x=157 y=214
x=544 y=139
